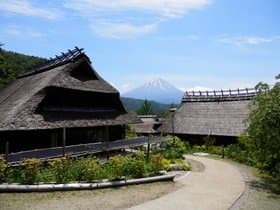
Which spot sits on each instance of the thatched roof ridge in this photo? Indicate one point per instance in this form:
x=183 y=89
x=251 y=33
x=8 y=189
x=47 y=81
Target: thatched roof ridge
x=19 y=101
x=59 y=60
x=220 y=95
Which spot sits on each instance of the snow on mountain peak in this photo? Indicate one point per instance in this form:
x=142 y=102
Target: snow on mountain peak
x=159 y=83
x=157 y=90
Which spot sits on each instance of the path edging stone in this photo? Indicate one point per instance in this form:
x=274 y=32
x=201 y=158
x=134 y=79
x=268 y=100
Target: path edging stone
x=81 y=186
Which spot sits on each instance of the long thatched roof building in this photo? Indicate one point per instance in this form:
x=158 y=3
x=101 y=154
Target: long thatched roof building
x=218 y=113
x=66 y=92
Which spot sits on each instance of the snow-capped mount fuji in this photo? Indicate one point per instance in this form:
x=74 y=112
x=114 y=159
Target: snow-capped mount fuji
x=157 y=90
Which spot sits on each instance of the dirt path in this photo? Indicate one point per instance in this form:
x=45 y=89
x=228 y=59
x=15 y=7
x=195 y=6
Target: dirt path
x=102 y=199
x=256 y=196
x=215 y=186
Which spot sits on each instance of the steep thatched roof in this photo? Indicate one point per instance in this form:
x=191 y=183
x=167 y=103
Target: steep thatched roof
x=149 y=125
x=32 y=101
x=220 y=113
x=145 y=128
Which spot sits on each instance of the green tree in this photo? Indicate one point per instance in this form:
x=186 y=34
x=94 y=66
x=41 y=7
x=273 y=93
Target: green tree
x=12 y=64
x=262 y=86
x=167 y=111
x=263 y=140
x=146 y=108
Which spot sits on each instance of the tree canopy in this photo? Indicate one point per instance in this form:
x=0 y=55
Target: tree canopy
x=264 y=130
x=12 y=64
x=146 y=108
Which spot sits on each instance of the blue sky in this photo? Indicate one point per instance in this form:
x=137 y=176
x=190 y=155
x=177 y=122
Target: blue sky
x=190 y=43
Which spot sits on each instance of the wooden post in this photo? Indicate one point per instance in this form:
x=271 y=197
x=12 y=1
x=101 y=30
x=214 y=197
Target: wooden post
x=223 y=151
x=123 y=132
x=7 y=150
x=107 y=140
x=173 y=110
x=64 y=141
x=148 y=149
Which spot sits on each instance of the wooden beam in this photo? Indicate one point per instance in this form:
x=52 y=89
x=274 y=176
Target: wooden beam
x=107 y=140
x=64 y=141
x=148 y=149
x=7 y=145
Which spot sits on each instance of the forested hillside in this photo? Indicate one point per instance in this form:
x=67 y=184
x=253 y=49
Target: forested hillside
x=135 y=104
x=12 y=64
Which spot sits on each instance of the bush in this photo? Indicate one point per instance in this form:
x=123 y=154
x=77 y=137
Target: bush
x=60 y=168
x=115 y=167
x=91 y=170
x=263 y=129
x=157 y=163
x=139 y=166
x=175 y=148
x=217 y=150
x=3 y=167
x=85 y=169
x=31 y=170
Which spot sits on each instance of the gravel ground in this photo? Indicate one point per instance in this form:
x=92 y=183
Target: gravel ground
x=113 y=198
x=256 y=196
x=212 y=187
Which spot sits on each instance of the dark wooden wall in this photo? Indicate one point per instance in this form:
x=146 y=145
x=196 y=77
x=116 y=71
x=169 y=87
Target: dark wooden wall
x=37 y=139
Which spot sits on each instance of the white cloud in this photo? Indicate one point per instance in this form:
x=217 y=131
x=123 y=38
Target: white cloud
x=165 y=8
x=131 y=18
x=24 y=7
x=121 y=30
x=247 y=40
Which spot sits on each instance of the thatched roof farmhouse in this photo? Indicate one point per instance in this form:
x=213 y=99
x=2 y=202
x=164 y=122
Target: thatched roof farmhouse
x=149 y=125
x=68 y=93
x=215 y=113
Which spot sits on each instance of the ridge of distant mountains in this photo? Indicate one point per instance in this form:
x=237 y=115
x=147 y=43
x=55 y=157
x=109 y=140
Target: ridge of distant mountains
x=135 y=104
x=157 y=90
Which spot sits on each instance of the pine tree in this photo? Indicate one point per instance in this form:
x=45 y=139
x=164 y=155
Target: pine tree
x=146 y=108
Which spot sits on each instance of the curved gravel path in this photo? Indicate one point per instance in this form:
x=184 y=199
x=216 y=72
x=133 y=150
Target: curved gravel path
x=257 y=194
x=213 y=185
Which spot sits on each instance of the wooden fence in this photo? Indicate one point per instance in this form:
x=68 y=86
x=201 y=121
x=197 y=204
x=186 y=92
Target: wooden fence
x=82 y=149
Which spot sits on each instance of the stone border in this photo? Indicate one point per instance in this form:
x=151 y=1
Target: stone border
x=81 y=186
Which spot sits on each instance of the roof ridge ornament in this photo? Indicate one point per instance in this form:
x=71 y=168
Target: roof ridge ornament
x=58 y=60
x=220 y=95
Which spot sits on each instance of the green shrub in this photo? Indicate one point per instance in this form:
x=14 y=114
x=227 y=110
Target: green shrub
x=3 y=167
x=61 y=169
x=217 y=150
x=175 y=148
x=186 y=166
x=130 y=131
x=115 y=167
x=31 y=170
x=157 y=163
x=85 y=169
x=82 y=169
x=91 y=169
x=139 y=167
x=263 y=129
x=198 y=148
x=236 y=152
